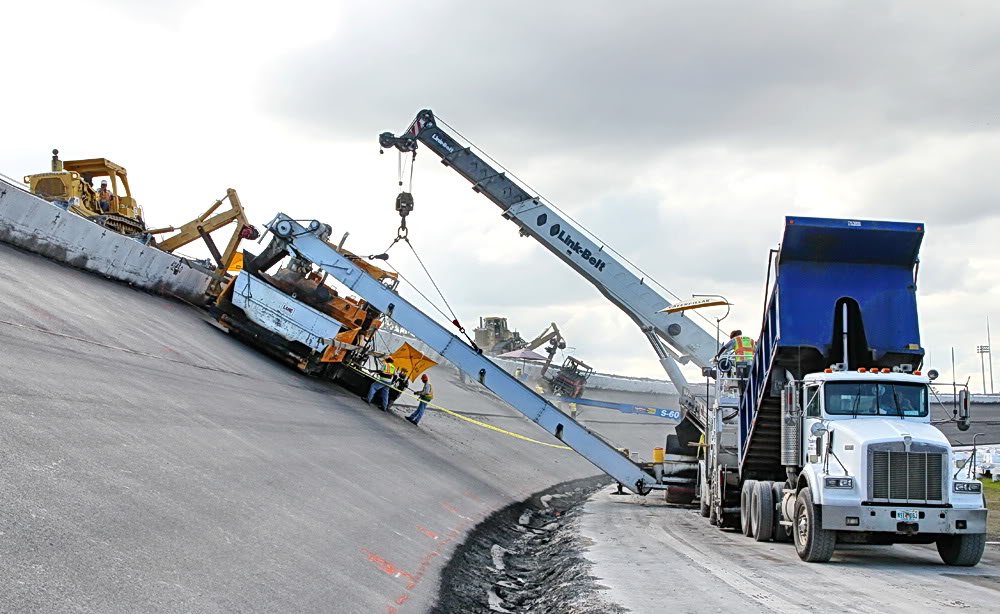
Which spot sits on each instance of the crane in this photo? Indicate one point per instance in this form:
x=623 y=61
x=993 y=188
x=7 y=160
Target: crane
x=310 y=244
x=673 y=337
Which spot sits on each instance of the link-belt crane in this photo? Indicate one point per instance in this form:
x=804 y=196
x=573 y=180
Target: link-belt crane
x=310 y=244
x=674 y=337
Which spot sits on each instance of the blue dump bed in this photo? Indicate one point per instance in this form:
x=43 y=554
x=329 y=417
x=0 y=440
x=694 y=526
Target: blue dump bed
x=824 y=265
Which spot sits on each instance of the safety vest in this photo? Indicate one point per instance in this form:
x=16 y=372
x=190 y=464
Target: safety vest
x=427 y=393
x=743 y=348
x=388 y=371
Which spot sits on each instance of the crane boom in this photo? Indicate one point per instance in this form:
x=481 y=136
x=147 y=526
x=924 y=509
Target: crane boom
x=674 y=337
x=309 y=243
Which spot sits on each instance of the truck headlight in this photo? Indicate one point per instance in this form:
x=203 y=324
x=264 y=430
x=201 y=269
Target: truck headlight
x=968 y=487
x=839 y=482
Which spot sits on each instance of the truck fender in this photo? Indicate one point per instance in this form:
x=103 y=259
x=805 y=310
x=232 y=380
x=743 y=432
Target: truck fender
x=808 y=477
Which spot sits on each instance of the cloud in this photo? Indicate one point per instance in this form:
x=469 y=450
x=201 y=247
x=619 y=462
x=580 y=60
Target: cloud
x=680 y=133
x=619 y=80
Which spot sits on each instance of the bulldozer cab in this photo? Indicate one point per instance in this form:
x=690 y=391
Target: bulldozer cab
x=74 y=185
x=94 y=169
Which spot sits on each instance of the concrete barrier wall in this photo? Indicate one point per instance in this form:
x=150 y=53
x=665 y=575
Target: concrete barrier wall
x=39 y=226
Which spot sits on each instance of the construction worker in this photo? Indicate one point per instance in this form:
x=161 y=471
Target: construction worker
x=104 y=197
x=425 y=395
x=398 y=385
x=381 y=385
x=739 y=346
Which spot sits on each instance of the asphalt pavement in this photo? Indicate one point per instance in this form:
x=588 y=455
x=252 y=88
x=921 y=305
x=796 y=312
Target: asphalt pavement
x=649 y=556
x=151 y=463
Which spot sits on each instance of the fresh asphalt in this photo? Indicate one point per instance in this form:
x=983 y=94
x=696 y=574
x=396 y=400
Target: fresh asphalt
x=151 y=463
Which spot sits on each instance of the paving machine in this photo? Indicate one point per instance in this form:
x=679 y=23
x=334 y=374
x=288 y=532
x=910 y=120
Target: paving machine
x=291 y=313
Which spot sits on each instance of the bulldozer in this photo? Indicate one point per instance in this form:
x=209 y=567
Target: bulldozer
x=70 y=184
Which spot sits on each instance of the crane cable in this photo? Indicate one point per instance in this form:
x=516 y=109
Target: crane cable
x=404 y=205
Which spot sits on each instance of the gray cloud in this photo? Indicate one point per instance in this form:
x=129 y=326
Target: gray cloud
x=561 y=76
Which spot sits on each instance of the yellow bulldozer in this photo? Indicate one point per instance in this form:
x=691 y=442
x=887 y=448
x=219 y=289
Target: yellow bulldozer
x=70 y=184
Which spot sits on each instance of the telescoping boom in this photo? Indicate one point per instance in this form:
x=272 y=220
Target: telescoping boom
x=310 y=243
x=674 y=338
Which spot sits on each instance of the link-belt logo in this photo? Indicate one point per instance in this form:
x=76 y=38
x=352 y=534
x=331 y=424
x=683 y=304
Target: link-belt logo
x=441 y=142
x=572 y=245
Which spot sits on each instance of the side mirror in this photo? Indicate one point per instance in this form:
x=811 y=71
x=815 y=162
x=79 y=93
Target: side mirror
x=964 y=418
x=818 y=428
x=932 y=374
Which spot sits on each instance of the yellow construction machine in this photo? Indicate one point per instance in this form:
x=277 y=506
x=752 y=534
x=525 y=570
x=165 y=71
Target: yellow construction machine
x=70 y=184
x=208 y=222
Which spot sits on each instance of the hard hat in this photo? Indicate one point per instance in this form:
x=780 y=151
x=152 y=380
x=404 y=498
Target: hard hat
x=104 y=182
x=424 y=377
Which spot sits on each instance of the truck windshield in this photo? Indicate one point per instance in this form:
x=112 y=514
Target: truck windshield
x=875 y=399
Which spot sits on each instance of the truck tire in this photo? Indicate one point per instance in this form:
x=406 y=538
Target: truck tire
x=779 y=532
x=762 y=511
x=746 y=494
x=703 y=498
x=961 y=550
x=812 y=543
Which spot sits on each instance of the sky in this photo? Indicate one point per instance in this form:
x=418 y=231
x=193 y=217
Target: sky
x=680 y=133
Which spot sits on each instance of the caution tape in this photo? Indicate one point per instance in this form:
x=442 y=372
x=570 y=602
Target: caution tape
x=461 y=416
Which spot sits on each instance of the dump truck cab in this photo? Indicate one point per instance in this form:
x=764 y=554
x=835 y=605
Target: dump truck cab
x=73 y=184
x=874 y=464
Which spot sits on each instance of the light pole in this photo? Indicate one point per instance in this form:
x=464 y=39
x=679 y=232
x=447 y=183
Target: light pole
x=982 y=350
x=989 y=343
x=706 y=302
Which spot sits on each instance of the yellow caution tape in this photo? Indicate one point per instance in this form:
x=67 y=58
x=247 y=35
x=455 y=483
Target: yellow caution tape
x=461 y=416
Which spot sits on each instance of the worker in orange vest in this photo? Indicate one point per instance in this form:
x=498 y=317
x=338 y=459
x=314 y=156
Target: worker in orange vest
x=739 y=346
x=104 y=197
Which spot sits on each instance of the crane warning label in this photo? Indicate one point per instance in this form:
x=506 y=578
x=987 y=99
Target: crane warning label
x=573 y=246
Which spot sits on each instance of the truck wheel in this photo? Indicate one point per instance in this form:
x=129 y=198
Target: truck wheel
x=961 y=550
x=746 y=494
x=762 y=511
x=779 y=532
x=812 y=543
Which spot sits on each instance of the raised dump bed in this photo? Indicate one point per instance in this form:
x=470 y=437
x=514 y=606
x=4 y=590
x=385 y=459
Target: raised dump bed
x=822 y=266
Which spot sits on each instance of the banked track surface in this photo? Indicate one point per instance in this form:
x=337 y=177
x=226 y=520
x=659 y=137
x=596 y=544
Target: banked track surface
x=148 y=462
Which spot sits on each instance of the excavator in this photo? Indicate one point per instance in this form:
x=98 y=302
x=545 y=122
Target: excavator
x=70 y=184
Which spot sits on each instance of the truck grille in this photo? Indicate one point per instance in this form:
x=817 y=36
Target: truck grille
x=906 y=477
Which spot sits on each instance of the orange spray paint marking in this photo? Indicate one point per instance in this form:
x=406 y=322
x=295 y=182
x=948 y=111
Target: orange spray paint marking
x=428 y=532
x=454 y=510
x=389 y=568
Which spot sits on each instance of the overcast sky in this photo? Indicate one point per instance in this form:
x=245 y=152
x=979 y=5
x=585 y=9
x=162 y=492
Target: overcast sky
x=679 y=132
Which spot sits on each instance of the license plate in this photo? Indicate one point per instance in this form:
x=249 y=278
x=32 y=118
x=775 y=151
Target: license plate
x=907 y=515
